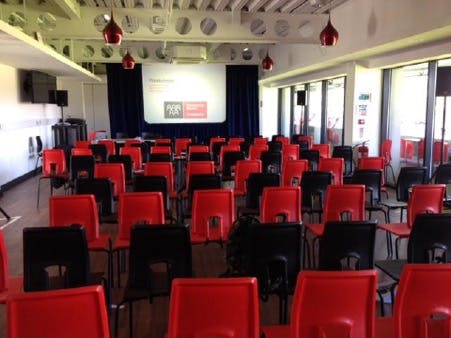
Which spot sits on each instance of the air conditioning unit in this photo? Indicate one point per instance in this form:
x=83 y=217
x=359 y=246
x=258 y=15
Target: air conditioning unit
x=188 y=54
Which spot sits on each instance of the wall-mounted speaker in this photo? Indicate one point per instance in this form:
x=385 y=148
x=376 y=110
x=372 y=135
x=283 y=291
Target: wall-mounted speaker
x=301 y=96
x=443 y=86
x=58 y=97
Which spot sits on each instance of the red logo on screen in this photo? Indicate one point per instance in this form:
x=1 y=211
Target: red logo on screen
x=195 y=110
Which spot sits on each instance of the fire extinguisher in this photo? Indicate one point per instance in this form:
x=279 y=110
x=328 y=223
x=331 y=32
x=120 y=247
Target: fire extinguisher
x=363 y=150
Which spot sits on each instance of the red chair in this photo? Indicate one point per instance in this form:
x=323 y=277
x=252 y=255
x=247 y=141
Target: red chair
x=113 y=171
x=163 y=142
x=82 y=144
x=214 y=140
x=324 y=149
x=255 y=151
x=161 y=149
x=339 y=304
x=236 y=140
x=260 y=141
x=335 y=165
x=81 y=152
x=375 y=163
x=181 y=145
x=196 y=168
x=224 y=149
x=283 y=139
x=290 y=152
x=214 y=307
x=292 y=172
x=130 y=141
x=69 y=313
x=307 y=139
x=53 y=167
x=110 y=146
x=281 y=204
x=213 y=213
x=136 y=207
x=425 y=198
x=8 y=285
x=422 y=304
x=198 y=148
x=438 y=152
x=135 y=155
x=243 y=169
x=386 y=154
x=162 y=169
x=407 y=149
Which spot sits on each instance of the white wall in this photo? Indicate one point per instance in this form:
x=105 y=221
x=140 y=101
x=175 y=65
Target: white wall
x=18 y=122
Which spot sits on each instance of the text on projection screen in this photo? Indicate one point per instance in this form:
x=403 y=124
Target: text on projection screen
x=184 y=93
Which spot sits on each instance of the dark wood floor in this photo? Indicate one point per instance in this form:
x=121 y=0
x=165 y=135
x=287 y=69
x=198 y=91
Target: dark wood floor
x=150 y=319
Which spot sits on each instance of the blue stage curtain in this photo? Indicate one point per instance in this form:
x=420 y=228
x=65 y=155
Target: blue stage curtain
x=126 y=106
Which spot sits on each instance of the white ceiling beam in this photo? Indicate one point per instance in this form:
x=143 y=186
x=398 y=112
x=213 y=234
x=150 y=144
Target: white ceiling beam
x=237 y=5
x=183 y=4
x=291 y=5
x=255 y=5
x=220 y=5
x=201 y=5
x=274 y=5
x=70 y=7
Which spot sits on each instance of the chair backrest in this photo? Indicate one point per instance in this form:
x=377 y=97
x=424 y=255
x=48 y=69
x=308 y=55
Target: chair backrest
x=243 y=169
x=160 y=158
x=255 y=184
x=161 y=169
x=198 y=168
x=235 y=140
x=443 y=174
x=425 y=198
x=275 y=146
x=314 y=184
x=4 y=268
x=345 y=203
x=308 y=139
x=271 y=161
x=233 y=313
x=347 y=245
x=44 y=247
x=81 y=151
x=274 y=254
x=375 y=163
x=81 y=166
x=372 y=179
x=260 y=140
x=213 y=213
x=386 y=151
x=323 y=148
x=255 y=151
x=344 y=152
x=422 y=306
x=198 y=148
x=282 y=139
x=110 y=146
x=292 y=172
x=229 y=160
x=115 y=172
x=102 y=189
x=334 y=304
x=244 y=147
x=430 y=239
x=100 y=152
x=135 y=207
x=144 y=148
x=225 y=149
x=312 y=156
x=135 y=155
x=129 y=142
x=281 y=204
x=161 y=149
x=163 y=141
x=82 y=144
x=407 y=178
x=200 y=156
x=335 y=166
x=152 y=183
x=169 y=244
x=290 y=152
x=181 y=145
x=75 y=209
x=126 y=160
x=70 y=313
x=53 y=157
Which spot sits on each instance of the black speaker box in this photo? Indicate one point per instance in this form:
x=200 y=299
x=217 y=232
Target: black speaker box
x=58 y=97
x=443 y=87
x=301 y=95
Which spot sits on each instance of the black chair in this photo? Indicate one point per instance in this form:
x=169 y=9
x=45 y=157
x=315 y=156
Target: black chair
x=303 y=145
x=255 y=184
x=350 y=246
x=244 y=147
x=144 y=150
x=126 y=160
x=39 y=148
x=100 y=152
x=271 y=162
x=102 y=189
x=216 y=150
x=121 y=134
x=442 y=175
x=160 y=158
x=313 y=188
x=275 y=146
x=345 y=152
x=274 y=256
x=229 y=160
x=407 y=178
x=312 y=156
x=200 y=157
x=81 y=166
x=152 y=247
x=372 y=179
x=62 y=247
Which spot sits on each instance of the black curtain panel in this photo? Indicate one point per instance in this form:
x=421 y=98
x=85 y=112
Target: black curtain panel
x=125 y=98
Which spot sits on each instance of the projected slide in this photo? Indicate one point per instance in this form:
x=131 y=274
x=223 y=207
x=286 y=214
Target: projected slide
x=184 y=93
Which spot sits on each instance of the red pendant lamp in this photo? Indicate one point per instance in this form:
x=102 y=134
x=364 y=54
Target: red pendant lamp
x=128 y=62
x=329 y=35
x=112 y=32
x=267 y=63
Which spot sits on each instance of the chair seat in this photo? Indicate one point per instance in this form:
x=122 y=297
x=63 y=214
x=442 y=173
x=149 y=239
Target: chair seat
x=276 y=331
x=121 y=244
x=316 y=228
x=173 y=195
x=15 y=285
x=384 y=327
x=398 y=229
x=238 y=192
x=100 y=244
x=394 y=204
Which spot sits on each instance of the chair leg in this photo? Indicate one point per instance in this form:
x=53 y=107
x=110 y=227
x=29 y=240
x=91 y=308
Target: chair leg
x=39 y=188
x=397 y=240
x=381 y=299
x=130 y=319
x=389 y=245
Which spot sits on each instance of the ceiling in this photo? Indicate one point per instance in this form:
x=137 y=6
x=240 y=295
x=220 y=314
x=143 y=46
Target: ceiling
x=231 y=31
